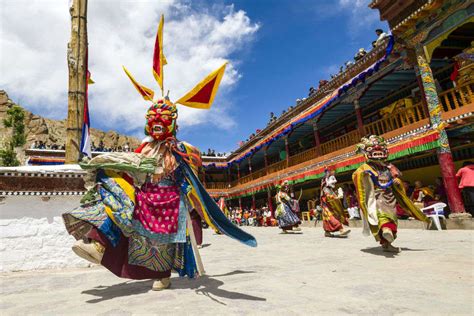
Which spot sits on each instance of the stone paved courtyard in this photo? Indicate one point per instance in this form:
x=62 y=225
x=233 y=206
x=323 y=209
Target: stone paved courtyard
x=302 y=274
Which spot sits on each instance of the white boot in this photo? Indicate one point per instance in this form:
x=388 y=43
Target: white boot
x=161 y=284
x=344 y=232
x=92 y=252
x=387 y=234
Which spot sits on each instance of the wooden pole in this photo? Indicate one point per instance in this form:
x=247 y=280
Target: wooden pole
x=77 y=64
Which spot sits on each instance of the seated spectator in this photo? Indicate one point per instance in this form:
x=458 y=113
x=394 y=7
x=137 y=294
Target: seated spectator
x=311 y=91
x=380 y=36
x=374 y=44
x=421 y=195
x=440 y=191
x=360 y=54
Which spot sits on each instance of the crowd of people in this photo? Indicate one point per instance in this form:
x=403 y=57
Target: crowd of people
x=212 y=153
x=381 y=35
x=423 y=196
x=39 y=144
x=249 y=217
x=102 y=148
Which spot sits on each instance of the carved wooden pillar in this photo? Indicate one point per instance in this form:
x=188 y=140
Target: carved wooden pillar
x=360 y=120
x=445 y=157
x=287 y=149
x=317 y=138
x=270 y=202
x=204 y=176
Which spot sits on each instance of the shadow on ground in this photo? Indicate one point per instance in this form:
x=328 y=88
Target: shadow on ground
x=378 y=251
x=209 y=286
x=205 y=285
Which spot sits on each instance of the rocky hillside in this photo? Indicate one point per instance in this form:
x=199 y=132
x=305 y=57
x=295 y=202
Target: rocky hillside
x=54 y=131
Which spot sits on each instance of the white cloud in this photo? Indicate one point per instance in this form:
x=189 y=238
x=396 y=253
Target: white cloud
x=360 y=15
x=34 y=35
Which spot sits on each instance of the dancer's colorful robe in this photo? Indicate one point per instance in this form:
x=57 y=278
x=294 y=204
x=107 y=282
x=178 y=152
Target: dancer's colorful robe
x=333 y=213
x=378 y=199
x=287 y=219
x=145 y=228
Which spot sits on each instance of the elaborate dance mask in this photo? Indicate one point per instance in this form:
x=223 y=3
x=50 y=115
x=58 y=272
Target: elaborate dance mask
x=162 y=115
x=373 y=147
x=329 y=179
x=161 y=120
x=285 y=186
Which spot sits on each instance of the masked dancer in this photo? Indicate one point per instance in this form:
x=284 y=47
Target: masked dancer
x=379 y=188
x=286 y=217
x=334 y=215
x=135 y=219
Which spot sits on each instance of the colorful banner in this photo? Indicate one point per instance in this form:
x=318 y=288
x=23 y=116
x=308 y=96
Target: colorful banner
x=418 y=143
x=309 y=113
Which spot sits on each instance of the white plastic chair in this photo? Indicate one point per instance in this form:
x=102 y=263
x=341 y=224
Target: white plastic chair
x=434 y=212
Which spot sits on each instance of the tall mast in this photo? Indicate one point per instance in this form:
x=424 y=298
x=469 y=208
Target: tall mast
x=77 y=64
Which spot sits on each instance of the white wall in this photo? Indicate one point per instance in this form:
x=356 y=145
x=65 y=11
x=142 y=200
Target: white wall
x=32 y=233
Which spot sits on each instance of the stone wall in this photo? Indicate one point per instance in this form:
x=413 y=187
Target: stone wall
x=32 y=233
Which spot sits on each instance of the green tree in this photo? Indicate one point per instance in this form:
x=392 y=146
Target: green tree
x=8 y=156
x=15 y=120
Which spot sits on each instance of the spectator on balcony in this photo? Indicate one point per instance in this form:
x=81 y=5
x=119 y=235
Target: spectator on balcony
x=360 y=54
x=349 y=64
x=374 y=44
x=312 y=91
x=381 y=35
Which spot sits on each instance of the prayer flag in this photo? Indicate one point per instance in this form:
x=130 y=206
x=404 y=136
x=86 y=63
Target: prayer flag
x=86 y=136
x=146 y=93
x=159 y=59
x=203 y=94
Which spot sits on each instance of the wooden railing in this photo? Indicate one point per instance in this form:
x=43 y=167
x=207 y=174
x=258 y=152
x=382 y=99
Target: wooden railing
x=457 y=97
x=303 y=156
x=343 y=141
x=217 y=185
x=396 y=120
x=452 y=99
x=277 y=166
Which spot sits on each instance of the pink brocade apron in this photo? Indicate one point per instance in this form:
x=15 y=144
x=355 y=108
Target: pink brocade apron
x=157 y=208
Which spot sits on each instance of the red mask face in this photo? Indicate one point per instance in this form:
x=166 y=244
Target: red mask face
x=377 y=152
x=161 y=121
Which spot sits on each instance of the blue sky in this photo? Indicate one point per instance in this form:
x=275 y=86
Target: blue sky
x=276 y=50
x=298 y=43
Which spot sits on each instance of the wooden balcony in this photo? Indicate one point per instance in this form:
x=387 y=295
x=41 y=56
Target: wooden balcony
x=454 y=102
